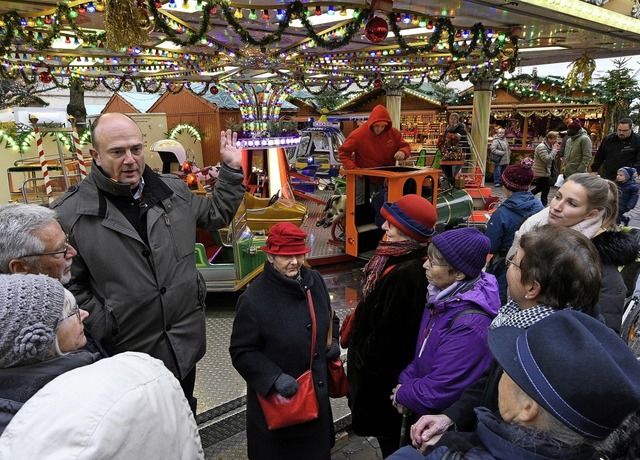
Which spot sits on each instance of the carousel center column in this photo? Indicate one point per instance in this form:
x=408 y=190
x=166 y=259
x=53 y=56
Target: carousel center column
x=482 y=90
x=394 y=106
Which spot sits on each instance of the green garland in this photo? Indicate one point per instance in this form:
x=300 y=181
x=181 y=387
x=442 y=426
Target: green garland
x=191 y=129
x=160 y=22
x=13 y=30
x=299 y=10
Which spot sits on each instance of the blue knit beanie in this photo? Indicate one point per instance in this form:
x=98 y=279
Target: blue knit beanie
x=466 y=249
x=628 y=172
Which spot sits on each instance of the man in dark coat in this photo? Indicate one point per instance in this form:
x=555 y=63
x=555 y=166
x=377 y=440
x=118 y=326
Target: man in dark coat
x=134 y=231
x=618 y=150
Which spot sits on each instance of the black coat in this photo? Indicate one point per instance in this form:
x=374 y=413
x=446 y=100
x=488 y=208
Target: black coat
x=383 y=343
x=615 y=153
x=615 y=249
x=271 y=335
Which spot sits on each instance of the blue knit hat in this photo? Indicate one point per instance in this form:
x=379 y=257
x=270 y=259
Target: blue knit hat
x=466 y=249
x=628 y=172
x=575 y=367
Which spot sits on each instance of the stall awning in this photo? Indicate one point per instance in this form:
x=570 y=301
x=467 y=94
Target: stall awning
x=500 y=111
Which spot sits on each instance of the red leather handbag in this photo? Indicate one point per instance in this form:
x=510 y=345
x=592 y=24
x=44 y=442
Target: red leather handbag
x=338 y=383
x=281 y=412
x=345 y=329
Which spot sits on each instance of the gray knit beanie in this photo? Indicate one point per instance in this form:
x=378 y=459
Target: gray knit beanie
x=30 y=308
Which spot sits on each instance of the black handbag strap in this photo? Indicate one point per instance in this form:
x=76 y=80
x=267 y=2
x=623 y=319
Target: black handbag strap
x=313 y=327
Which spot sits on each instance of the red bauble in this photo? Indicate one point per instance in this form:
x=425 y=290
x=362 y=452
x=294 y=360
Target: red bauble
x=45 y=77
x=213 y=90
x=376 y=29
x=377 y=83
x=504 y=65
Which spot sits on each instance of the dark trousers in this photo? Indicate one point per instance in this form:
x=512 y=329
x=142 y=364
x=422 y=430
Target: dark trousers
x=388 y=445
x=188 y=383
x=542 y=186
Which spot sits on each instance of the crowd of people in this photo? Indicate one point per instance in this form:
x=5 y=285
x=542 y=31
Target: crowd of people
x=447 y=356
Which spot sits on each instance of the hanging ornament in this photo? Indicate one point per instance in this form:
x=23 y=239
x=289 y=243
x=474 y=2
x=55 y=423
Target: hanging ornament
x=45 y=77
x=125 y=24
x=507 y=52
x=127 y=86
x=377 y=83
x=376 y=29
x=214 y=90
x=504 y=66
x=581 y=71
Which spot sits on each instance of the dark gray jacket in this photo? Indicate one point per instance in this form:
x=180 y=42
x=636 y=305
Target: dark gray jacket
x=145 y=294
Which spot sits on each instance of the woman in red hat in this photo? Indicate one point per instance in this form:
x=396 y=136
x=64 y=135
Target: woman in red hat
x=271 y=344
x=387 y=318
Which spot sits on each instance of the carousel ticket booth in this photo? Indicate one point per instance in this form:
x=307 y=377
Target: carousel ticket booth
x=362 y=233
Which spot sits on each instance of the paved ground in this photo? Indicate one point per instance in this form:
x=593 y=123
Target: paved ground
x=215 y=371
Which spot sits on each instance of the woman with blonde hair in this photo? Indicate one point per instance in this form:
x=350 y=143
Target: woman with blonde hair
x=589 y=204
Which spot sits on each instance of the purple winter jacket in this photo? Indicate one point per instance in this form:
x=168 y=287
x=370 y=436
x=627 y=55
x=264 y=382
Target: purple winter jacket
x=450 y=355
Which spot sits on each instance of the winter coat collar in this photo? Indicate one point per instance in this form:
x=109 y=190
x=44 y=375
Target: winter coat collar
x=614 y=247
x=289 y=284
x=483 y=292
x=153 y=184
x=523 y=203
x=495 y=437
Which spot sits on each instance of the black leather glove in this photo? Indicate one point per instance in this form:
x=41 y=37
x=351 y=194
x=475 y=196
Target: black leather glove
x=334 y=351
x=286 y=385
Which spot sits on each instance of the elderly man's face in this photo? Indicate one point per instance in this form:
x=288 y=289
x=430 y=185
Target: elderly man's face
x=289 y=266
x=511 y=399
x=118 y=148
x=56 y=266
x=624 y=130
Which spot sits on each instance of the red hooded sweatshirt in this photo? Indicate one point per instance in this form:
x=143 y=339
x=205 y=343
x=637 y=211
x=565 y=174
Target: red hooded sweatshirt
x=364 y=149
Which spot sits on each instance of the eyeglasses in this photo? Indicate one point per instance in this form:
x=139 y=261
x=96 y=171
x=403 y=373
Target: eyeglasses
x=53 y=253
x=75 y=311
x=510 y=261
x=428 y=260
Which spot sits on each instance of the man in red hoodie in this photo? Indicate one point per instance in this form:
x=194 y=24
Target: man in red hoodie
x=374 y=144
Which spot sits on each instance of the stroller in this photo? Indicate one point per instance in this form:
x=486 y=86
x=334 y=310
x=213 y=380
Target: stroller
x=630 y=330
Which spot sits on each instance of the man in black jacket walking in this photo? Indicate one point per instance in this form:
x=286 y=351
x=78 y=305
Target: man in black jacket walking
x=617 y=150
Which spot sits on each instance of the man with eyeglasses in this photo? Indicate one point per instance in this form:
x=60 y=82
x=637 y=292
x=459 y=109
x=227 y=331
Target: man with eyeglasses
x=134 y=231
x=32 y=241
x=618 y=150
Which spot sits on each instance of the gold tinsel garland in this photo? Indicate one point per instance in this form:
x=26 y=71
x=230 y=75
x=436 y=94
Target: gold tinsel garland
x=125 y=24
x=581 y=71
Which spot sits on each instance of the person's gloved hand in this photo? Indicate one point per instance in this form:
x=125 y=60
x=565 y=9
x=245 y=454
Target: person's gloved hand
x=334 y=351
x=286 y=385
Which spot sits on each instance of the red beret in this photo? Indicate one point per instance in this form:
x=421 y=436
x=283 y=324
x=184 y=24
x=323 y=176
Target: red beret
x=285 y=239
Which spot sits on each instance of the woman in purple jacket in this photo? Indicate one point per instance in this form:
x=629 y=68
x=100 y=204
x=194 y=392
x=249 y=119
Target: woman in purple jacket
x=452 y=351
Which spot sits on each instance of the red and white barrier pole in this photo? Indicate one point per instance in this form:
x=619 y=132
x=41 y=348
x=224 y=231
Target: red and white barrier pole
x=76 y=142
x=43 y=161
